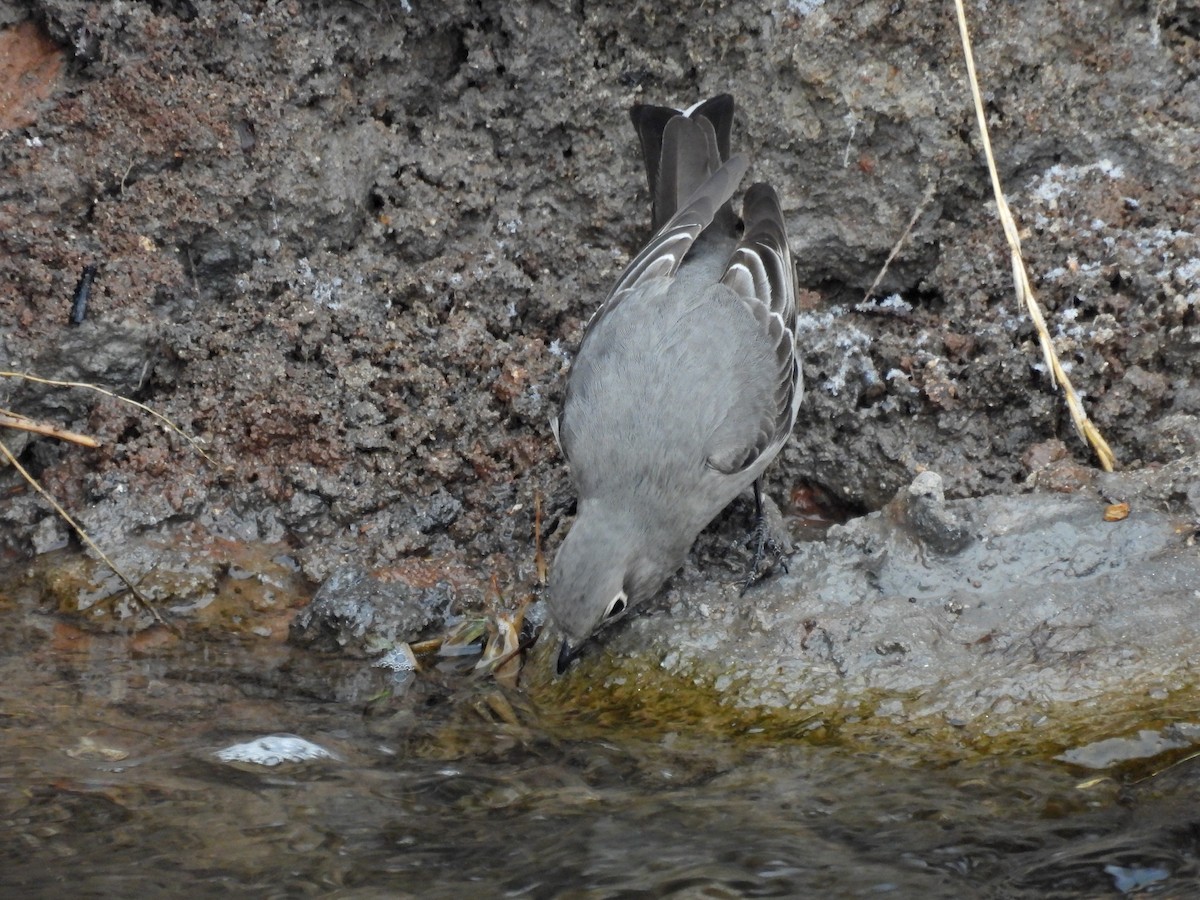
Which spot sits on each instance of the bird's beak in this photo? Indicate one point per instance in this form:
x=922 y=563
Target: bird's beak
x=565 y=655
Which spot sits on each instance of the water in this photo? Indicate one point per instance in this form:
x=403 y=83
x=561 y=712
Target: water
x=110 y=787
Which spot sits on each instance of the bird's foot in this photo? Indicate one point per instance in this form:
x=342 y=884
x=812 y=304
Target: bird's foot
x=764 y=540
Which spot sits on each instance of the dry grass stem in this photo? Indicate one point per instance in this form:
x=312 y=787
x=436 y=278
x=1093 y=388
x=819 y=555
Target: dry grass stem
x=539 y=559
x=903 y=239
x=1167 y=768
x=10 y=419
x=1025 y=296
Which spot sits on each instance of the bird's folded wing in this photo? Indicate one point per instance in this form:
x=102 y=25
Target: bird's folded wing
x=760 y=273
x=664 y=253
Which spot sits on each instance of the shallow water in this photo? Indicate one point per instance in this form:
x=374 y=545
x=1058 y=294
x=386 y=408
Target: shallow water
x=452 y=787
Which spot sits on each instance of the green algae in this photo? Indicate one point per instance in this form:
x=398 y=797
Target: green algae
x=635 y=698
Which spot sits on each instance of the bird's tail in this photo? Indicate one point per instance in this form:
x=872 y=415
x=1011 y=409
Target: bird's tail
x=682 y=149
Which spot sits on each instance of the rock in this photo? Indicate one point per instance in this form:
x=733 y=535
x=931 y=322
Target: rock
x=356 y=613
x=923 y=507
x=1046 y=606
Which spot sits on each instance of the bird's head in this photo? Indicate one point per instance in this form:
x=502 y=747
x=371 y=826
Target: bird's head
x=603 y=569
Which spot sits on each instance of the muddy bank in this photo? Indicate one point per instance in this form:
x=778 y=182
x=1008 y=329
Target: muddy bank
x=1044 y=619
x=349 y=246
x=1046 y=622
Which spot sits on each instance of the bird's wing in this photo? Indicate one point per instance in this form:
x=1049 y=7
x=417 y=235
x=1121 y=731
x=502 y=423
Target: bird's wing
x=760 y=273
x=663 y=254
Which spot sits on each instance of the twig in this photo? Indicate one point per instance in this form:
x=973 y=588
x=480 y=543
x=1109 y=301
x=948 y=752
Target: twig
x=1083 y=425
x=10 y=419
x=83 y=535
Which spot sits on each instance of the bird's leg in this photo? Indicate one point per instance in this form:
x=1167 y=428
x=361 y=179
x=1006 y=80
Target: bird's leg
x=763 y=541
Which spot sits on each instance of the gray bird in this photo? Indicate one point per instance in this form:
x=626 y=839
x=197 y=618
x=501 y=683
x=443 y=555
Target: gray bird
x=686 y=383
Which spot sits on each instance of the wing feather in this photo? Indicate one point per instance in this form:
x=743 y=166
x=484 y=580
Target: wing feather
x=760 y=272
x=664 y=253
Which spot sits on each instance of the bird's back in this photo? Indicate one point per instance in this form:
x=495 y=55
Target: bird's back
x=669 y=396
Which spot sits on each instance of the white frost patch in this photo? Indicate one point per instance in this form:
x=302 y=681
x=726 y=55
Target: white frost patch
x=814 y=330
x=323 y=292
x=893 y=303
x=273 y=750
x=804 y=8
x=1050 y=185
x=326 y=293
x=1169 y=235
x=1189 y=272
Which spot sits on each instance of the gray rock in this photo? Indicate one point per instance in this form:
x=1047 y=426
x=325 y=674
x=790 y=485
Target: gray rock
x=1041 y=602
x=354 y=612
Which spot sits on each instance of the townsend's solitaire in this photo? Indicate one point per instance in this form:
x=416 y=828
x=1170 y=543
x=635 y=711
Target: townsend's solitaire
x=686 y=383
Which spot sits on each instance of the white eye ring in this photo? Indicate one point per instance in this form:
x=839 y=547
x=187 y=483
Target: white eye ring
x=617 y=605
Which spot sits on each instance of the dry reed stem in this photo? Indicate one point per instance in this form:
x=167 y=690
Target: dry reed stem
x=1025 y=296
x=10 y=419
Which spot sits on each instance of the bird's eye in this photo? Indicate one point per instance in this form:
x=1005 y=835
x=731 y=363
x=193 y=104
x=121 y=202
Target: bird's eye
x=616 y=605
